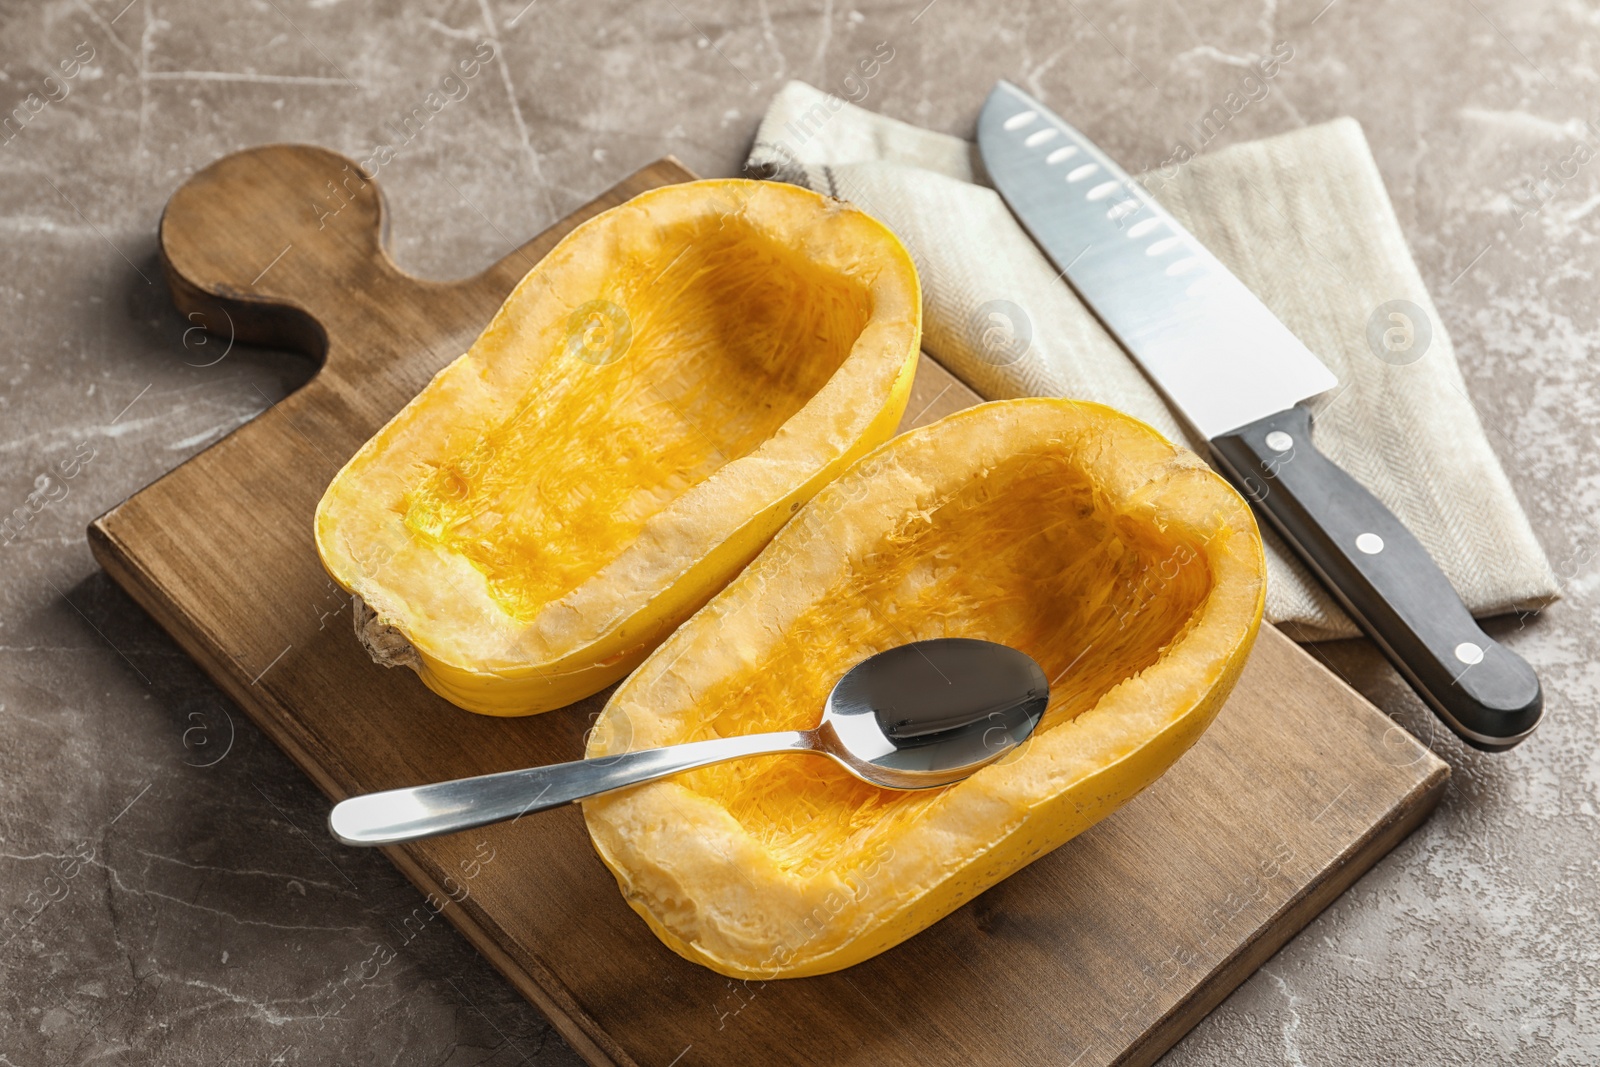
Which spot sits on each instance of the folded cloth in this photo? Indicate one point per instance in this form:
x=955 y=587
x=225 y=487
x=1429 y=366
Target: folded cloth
x=1303 y=219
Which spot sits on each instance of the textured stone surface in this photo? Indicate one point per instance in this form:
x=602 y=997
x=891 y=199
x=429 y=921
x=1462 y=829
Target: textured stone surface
x=168 y=892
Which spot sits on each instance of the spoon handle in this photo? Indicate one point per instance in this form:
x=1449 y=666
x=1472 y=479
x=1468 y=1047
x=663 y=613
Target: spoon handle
x=445 y=807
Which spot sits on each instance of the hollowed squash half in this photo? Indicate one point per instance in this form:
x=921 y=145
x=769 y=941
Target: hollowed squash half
x=1124 y=566
x=655 y=398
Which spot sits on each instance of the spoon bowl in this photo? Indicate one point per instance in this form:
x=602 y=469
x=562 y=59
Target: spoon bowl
x=931 y=713
x=917 y=716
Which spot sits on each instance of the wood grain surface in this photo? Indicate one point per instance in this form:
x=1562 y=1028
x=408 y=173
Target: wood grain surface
x=1105 y=951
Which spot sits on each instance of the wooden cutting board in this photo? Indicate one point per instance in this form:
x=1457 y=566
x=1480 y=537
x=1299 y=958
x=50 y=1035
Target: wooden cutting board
x=1106 y=951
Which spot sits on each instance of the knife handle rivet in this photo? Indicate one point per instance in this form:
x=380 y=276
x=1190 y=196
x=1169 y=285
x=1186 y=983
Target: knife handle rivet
x=1469 y=653
x=1370 y=543
x=1279 y=441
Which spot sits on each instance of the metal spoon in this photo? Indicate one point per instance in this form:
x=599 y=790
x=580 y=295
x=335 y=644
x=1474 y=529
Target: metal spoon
x=917 y=716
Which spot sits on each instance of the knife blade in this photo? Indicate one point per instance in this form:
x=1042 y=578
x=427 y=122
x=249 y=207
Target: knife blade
x=1240 y=378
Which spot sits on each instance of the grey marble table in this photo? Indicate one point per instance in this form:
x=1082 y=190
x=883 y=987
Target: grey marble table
x=169 y=895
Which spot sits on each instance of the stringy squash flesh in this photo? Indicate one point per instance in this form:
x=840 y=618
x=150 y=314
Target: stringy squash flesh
x=651 y=403
x=1125 y=567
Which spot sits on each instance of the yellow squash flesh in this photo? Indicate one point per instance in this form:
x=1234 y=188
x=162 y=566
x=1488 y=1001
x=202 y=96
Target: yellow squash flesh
x=649 y=406
x=1125 y=567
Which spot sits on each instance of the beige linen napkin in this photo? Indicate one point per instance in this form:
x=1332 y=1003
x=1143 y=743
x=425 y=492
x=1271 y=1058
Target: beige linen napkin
x=1303 y=219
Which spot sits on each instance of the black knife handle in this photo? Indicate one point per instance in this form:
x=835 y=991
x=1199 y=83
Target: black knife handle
x=1384 y=578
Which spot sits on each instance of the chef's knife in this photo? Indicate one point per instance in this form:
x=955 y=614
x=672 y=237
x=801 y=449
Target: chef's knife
x=1239 y=377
